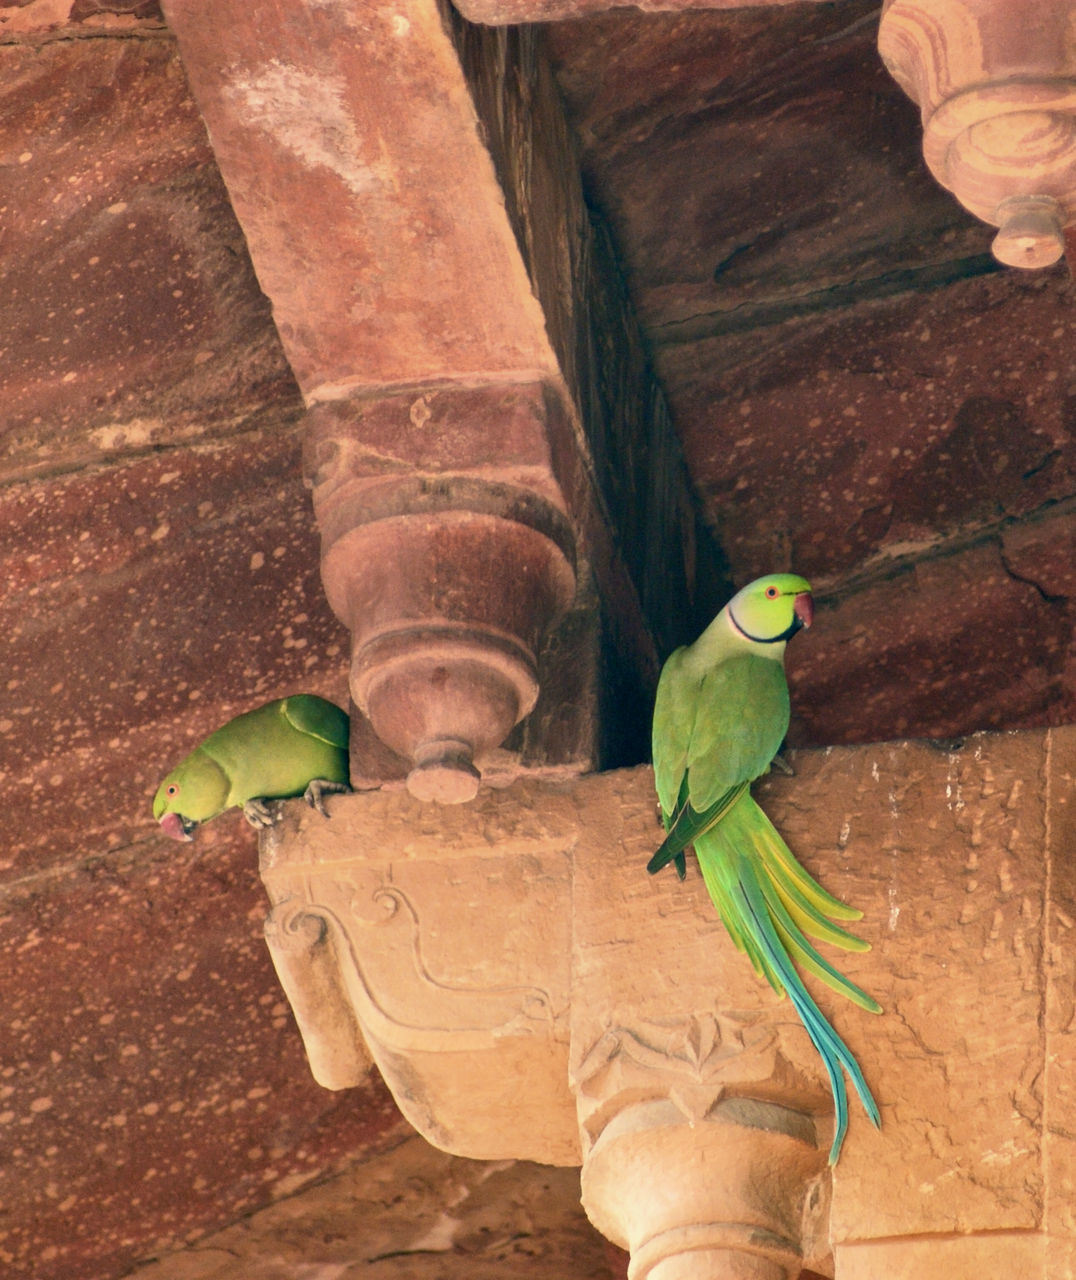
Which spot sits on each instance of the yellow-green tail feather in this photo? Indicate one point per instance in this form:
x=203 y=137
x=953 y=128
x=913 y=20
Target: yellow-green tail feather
x=769 y=904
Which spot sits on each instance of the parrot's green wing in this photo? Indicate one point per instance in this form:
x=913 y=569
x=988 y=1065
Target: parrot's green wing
x=718 y=730
x=318 y=718
x=712 y=735
x=674 y=718
x=741 y=718
x=684 y=826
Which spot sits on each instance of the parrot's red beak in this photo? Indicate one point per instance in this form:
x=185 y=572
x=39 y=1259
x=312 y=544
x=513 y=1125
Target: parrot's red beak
x=803 y=607
x=173 y=826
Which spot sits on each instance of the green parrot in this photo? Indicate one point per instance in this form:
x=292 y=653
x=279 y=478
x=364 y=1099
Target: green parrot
x=293 y=746
x=719 y=720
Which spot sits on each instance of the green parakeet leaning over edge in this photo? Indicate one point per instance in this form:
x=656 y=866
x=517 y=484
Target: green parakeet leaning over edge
x=293 y=746
x=719 y=720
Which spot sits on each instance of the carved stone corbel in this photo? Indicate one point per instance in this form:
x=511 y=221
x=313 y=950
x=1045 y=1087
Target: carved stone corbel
x=528 y=991
x=448 y=943
x=506 y=963
x=447 y=554
x=996 y=84
x=435 y=400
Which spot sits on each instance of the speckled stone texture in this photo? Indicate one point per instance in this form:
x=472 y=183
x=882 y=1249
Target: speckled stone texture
x=862 y=393
x=153 y=1084
x=416 y=1213
x=131 y=318
x=158 y=574
x=857 y=389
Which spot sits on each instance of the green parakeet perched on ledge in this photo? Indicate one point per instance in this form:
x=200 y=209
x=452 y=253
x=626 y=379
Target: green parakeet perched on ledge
x=293 y=746
x=720 y=718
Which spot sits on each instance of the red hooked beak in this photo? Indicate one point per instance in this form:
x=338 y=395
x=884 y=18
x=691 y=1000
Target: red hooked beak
x=172 y=825
x=803 y=607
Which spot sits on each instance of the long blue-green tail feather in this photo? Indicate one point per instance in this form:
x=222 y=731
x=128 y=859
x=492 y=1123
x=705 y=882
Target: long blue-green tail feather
x=738 y=866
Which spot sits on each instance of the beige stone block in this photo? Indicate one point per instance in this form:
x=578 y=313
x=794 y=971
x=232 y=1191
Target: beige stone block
x=528 y=990
x=446 y=935
x=956 y=1258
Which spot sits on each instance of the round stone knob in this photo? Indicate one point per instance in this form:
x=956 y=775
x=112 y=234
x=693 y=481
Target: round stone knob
x=1030 y=233
x=443 y=773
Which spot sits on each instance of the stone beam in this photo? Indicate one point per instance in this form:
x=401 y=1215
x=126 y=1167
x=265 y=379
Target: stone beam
x=468 y=528
x=528 y=991
x=644 y=513
x=350 y=148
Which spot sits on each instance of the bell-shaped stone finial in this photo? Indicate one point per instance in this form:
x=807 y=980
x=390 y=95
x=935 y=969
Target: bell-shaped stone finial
x=996 y=85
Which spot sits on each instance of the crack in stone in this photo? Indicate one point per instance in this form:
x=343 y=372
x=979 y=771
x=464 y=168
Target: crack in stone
x=761 y=315
x=884 y=567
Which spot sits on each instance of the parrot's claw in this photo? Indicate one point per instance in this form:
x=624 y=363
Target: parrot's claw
x=783 y=766
x=259 y=813
x=321 y=787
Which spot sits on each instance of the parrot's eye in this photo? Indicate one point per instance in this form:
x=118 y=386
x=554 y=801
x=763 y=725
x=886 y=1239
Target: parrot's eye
x=771 y=593
x=173 y=789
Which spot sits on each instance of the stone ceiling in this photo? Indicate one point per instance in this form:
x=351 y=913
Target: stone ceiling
x=859 y=390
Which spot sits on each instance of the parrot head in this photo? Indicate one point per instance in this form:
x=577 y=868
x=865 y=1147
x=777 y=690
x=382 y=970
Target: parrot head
x=772 y=608
x=194 y=791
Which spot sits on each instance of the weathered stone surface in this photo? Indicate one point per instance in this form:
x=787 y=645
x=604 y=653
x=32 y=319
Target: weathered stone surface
x=379 y=279
x=892 y=455
x=751 y=159
x=505 y=11
x=938 y=648
x=859 y=390
x=132 y=320
x=957 y=859
x=153 y=1085
x=412 y=1212
x=52 y=19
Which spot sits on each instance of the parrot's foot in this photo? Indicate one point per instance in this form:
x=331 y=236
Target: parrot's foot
x=782 y=766
x=321 y=787
x=260 y=813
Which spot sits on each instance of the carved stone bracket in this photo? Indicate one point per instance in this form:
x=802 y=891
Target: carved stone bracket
x=996 y=84
x=408 y=316
x=527 y=991
x=432 y=944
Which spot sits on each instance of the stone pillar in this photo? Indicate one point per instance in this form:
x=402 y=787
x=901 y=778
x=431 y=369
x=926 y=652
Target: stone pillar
x=703 y=1122
x=995 y=81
